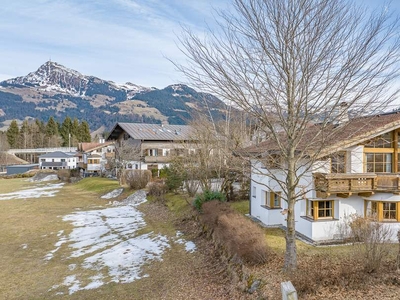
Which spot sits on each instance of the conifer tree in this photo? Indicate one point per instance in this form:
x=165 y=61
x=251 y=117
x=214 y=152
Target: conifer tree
x=66 y=131
x=84 y=132
x=52 y=133
x=12 y=134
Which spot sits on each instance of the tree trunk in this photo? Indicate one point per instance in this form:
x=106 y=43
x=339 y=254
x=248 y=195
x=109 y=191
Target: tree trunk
x=291 y=251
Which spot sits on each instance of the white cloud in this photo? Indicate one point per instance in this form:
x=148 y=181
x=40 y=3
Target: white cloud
x=119 y=40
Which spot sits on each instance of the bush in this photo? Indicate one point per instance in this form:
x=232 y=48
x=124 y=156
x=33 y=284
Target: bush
x=206 y=197
x=323 y=270
x=372 y=241
x=174 y=179
x=137 y=179
x=157 y=190
x=235 y=234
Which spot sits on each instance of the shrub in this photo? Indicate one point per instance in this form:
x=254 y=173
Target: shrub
x=157 y=190
x=206 y=197
x=235 y=234
x=174 y=179
x=372 y=241
x=137 y=179
x=323 y=270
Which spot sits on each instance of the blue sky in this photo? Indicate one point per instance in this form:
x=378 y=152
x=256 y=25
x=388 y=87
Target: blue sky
x=119 y=40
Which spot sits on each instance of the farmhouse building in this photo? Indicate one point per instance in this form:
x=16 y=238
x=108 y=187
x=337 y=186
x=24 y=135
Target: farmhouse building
x=155 y=144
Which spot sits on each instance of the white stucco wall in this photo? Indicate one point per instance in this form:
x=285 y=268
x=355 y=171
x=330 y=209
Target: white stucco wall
x=356 y=156
x=317 y=230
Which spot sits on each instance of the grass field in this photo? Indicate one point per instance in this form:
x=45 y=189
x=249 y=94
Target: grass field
x=31 y=228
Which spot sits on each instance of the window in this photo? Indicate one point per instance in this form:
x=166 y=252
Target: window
x=389 y=211
x=382 y=141
x=338 y=163
x=254 y=192
x=378 y=162
x=317 y=210
x=62 y=159
x=371 y=209
x=152 y=152
x=382 y=211
x=274 y=200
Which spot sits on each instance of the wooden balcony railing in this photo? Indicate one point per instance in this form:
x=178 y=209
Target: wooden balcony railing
x=157 y=159
x=356 y=182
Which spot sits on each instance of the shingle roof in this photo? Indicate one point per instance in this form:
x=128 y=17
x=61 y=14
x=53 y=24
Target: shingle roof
x=153 y=132
x=348 y=134
x=57 y=154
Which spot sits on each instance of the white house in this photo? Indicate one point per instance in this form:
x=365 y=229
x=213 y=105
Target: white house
x=358 y=172
x=58 y=160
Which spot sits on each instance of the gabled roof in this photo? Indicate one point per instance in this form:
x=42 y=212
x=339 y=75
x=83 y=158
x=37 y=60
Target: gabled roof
x=348 y=134
x=87 y=147
x=58 y=154
x=152 y=132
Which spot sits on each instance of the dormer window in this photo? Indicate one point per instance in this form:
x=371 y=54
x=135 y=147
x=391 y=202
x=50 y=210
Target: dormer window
x=382 y=141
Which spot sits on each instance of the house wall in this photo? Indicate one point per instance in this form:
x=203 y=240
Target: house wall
x=356 y=157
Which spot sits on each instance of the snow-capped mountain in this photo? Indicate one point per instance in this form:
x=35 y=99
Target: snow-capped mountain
x=54 y=77
x=55 y=90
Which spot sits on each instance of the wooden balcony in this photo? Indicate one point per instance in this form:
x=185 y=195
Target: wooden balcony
x=157 y=159
x=82 y=165
x=347 y=183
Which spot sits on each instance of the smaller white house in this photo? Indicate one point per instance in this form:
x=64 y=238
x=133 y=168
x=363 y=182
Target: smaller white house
x=58 y=160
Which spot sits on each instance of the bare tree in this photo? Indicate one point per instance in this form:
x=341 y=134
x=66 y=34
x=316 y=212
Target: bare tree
x=127 y=151
x=209 y=154
x=291 y=63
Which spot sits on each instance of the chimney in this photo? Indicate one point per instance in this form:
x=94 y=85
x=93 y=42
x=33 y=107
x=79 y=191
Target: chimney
x=341 y=114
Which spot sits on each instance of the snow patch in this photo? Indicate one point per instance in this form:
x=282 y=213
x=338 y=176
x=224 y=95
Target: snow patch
x=113 y=194
x=43 y=177
x=108 y=243
x=48 y=190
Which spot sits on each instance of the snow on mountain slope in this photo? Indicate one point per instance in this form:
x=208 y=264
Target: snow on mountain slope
x=54 y=77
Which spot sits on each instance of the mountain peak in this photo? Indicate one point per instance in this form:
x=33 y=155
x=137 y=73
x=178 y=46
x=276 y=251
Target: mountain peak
x=55 y=77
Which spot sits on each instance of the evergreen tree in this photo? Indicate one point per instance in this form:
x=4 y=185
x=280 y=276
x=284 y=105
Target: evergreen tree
x=51 y=127
x=12 y=134
x=52 y=133
x=75 y=127
x=66 y=131
x=84 y=132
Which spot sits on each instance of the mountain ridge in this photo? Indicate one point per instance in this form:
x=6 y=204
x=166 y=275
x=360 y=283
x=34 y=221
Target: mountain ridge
x=58 y=91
